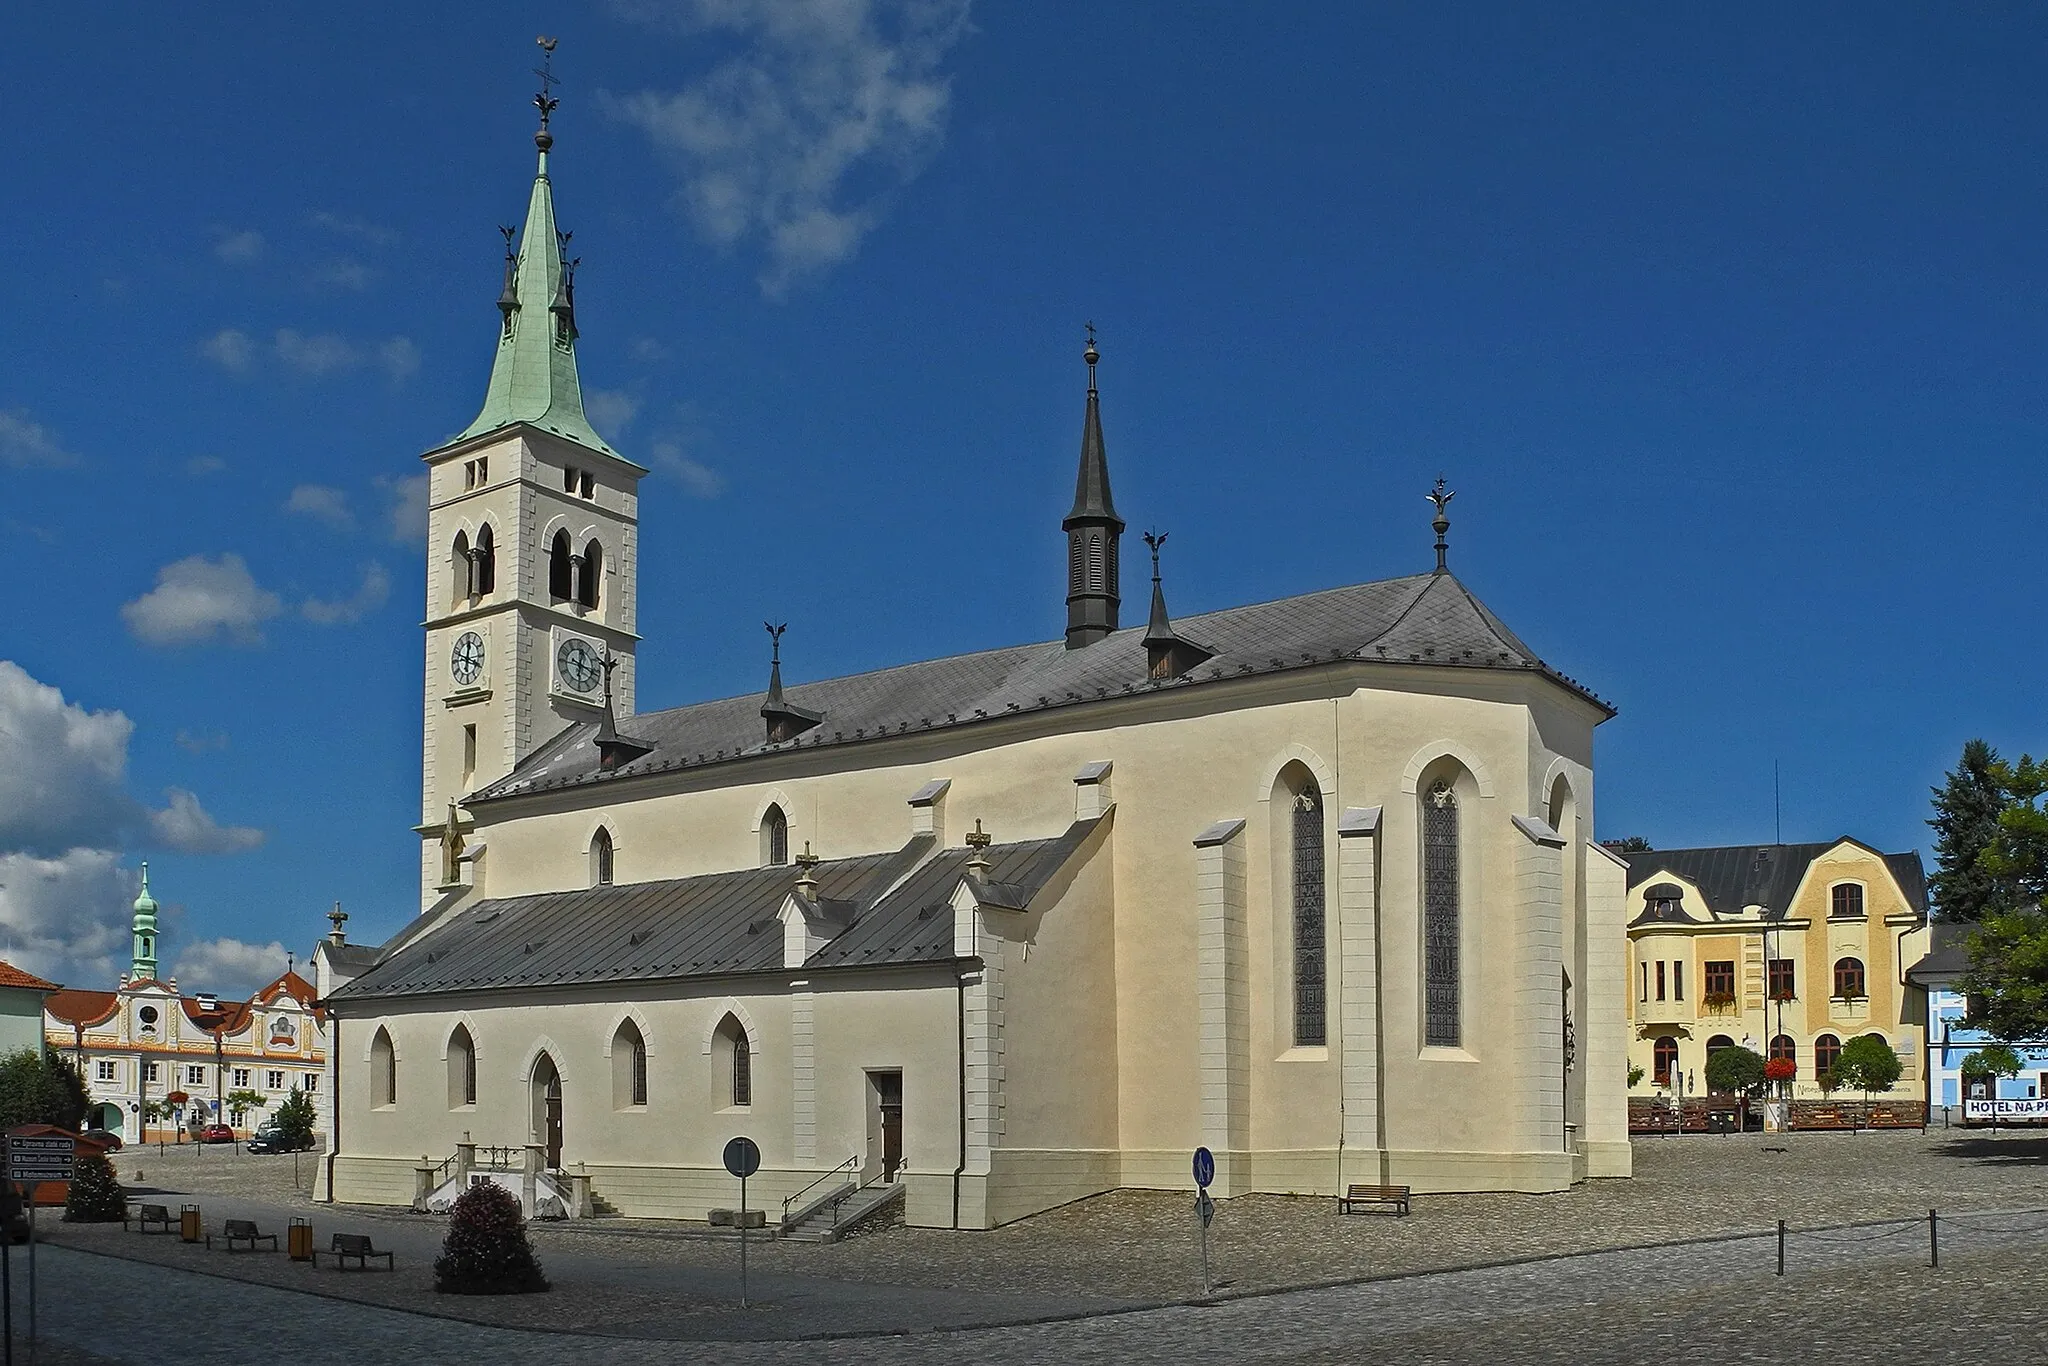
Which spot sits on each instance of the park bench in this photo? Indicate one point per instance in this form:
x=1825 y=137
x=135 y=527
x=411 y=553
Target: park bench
x=357 y=1245
x=1393 y=1198
x=243 y=1231
x=160 y=1215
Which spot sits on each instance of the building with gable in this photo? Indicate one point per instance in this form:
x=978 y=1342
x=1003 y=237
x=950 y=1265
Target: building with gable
x=1307 y=882
x=156 y=1060
x=1787 y=949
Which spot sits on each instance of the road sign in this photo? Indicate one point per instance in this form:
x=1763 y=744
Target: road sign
x=1205 y=1207
x=39 y=1157
x=1205 y=1167
x=743 y=1157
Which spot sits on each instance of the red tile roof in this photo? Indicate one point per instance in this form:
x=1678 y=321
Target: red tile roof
x=78 y=1006
x=12 y=976
x=292 y=985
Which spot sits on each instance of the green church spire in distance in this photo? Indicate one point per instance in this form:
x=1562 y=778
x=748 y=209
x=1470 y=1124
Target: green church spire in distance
x=533 y=378
x=144 y=965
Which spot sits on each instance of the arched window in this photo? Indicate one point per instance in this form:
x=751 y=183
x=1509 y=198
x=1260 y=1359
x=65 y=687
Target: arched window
x=461 y=1068
x=601 y=858
x=461 y=570
x=561 y=573
x=1665 y=1055
x=1849 y=979
x=1846 y=901
x=774 y=837
x=383 y=1070
x=1311 y=1017
x=1783 y=1047
x=590 y=574
x=486 y=560
x=1826 y=1049
x=735 y=1050
x=629 y=1067
x=1717 y=1043
x=1441 y=946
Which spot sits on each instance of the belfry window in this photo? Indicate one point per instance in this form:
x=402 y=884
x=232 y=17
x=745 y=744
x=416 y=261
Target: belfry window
x=1311 y=1021
x=589 y=573
x=601 y=855
x=561 y=573
x=485 y=558
x=774 y=837
x=1441 y=931
x=462 y=569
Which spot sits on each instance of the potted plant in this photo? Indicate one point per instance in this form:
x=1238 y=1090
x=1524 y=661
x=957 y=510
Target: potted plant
x=1719 y=1002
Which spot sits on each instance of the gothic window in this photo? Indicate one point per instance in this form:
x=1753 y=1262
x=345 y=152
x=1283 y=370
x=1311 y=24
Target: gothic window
x=732 y=1040
x=1826 y=1049
x=486 y=559
x=383 y=1070
x=1440 y=916
x=590 y=574
x=1665 y=1056
x=461 y=1068
x=601 y=858
x=1311 y=1024
x=1849 y=979
x=629 y=1067
x=1846 y=901
x=462 y=569
x=561 y=573
x=774 y=837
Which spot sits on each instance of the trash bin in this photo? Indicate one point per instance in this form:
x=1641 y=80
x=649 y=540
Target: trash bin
x=188 y=1223
x=299 y=1240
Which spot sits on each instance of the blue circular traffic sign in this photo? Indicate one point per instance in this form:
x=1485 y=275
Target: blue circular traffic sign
x=743 y=1157
x=1205 y=1167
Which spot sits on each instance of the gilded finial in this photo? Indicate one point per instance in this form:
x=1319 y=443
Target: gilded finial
x=1441 y=523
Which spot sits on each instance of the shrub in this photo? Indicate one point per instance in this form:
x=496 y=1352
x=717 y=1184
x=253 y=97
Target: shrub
x=486 y=1252
x=96 y=1197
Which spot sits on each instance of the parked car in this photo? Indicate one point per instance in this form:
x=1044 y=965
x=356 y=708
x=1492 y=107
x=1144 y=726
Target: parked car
x=268 y=1140
x=216 y=1133
x=109 y=1138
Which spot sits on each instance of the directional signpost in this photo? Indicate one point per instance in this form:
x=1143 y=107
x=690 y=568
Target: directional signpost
x=743 y=1159
x=31 y=1159
x=1205 y=1208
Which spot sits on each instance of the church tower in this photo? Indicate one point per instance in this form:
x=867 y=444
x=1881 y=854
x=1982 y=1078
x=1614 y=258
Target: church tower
x=143 y=968
x=532 y=543
x=1093 y=531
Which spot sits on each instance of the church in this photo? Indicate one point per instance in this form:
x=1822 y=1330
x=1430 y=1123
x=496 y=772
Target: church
x=1310 y=883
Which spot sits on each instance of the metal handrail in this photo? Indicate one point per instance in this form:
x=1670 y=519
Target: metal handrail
x=849 y=1166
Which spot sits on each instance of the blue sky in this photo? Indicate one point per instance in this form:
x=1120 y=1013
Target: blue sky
x=1727 y=326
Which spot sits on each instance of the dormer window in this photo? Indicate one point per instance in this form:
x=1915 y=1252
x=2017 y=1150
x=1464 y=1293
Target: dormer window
x=1846 y=902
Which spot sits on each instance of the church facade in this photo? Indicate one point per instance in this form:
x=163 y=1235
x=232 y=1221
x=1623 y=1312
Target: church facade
x=1310 y=883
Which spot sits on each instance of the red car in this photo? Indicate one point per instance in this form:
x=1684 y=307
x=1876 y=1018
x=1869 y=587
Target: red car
x=216 y=1133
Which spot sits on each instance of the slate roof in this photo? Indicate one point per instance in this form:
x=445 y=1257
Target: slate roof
x=1732 y=877
x=711 y=925
x=1428 y=619
x=1948 y=955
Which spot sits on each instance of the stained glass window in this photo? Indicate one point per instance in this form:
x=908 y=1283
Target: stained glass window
x=1311 y=1024
x=1440 y=912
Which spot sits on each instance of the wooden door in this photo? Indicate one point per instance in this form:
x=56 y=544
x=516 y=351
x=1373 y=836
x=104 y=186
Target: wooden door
x=889 y=1097
x=554 y=1131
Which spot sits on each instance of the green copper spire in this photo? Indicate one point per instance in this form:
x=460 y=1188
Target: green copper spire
x=533 y=378
x=145 y=933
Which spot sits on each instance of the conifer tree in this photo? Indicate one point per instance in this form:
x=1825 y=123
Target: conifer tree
x=1966 y=823
x=96 y=1196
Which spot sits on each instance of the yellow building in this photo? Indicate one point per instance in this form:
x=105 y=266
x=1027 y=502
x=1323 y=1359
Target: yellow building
x=1788 y=949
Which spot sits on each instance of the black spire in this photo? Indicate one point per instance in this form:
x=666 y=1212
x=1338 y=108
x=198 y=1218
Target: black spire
x=1093 y=530
x=785 y=719
x=614 y=749
x=1167 y=653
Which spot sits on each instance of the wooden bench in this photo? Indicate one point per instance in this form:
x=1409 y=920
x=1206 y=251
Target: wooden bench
x=357 y=1245
x=1393 y=1198
x=160 y=1215
x=243 y=1231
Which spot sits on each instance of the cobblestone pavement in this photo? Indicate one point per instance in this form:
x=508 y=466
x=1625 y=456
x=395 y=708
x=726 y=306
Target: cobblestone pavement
x=656 y=1279
x=1869 y=1288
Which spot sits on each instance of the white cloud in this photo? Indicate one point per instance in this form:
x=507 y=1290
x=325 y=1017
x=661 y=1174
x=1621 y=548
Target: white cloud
x=197 y=600
x=344 y=273
x=318 y=501
x=230 y=349
x=239 y=246
x=353 y=227
x=200 y=741
x=376 y=587
x=648 y=350
x=795 y=144
x=610 y=410
x=201 y=465
x=700 y=480
x=230 y=968
x=408 y=506
x=400 y=359
x=62 y=768
x=25 y=442
x=320 y=354
x=186 y=826
x=66 y=917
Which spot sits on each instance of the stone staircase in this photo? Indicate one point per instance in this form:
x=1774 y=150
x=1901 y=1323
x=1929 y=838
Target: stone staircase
x=828 y=1219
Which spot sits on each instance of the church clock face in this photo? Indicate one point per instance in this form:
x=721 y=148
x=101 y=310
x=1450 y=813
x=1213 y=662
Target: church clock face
x=466 y=661
x=579 y=665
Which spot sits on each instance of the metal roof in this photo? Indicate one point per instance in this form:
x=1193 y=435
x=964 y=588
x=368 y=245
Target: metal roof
x=1428 y=619
x=712 y=925
x=1733 y=877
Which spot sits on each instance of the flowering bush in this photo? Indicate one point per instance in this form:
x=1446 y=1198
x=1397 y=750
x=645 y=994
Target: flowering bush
x=486 y=1252
x=1780 y=1069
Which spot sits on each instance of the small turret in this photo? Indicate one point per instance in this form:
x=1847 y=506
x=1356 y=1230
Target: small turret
x=1094 y=531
